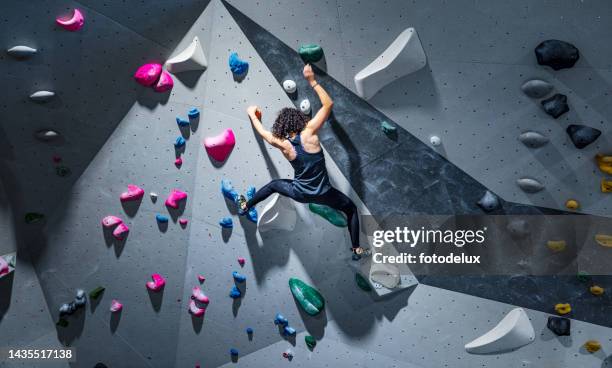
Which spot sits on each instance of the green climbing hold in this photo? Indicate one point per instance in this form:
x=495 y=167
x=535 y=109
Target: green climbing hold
x=583 y=276
x=387 y=128
x=328 y=213
x=309 y=298
x=362 y=282
x=62 y=171
x=33 y=217
x=311 y=342
x=311 y=53
x=95 y=293
x=62 y=323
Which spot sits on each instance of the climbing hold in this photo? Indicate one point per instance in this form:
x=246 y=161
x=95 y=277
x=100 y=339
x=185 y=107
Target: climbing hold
x=557 y=54
x=161 y=218
x=533 y=139
x=134 y=193
x=405 y=55
x=234 y=352
x=237 y=66
x=249 y=331
x=604 y=163
x=73 y=22
x=529 y=185
x=191 y=58
x=582 y=135
x=241 y=261
x=279 y=319
x=62 y=171
x=563 y=308
x=333 y=216
x=387 y=128
x=193 y=113
x=278 y=214
x=311 y=342
x=583 y=276
x=198 y=294
x=289 y=86
x=179 y=142
x=556 y=105
x=201 y=278
x=69 y=308
x=556 y=245
x=178 y=161
x=252 y=215
x=488 y=202
x=220 y=146
x=95 y=293
x=153 y=196
x=46 y=135
x=596 y=290
x=288 y=354
x=289 y=331
x=148 y=74
x=7 y=264
x=228 y=191
x=182 y=122
x=42 y=96
x=305 y=106
x=79 y=299
x=121 y=231
x=572 y=204
x=56 y=159
x=235 y=293
x=116 y=306
x=238 y=277
x=174 y=198
x=226 y=223
x=311 y=53
x=165 y=82
x=385 y=274
x=435 y=140
x=362 y=282
x=62 y=323
x=110 y=221
x=308 y=297
x=592 y=346
x=536 y=88
x=606 y=186
x=33 y=217
x=195 y=310
x=512 y=332
x=21 y=52
x=604 y=240
x=183 y=222
x=157 y=283
x=559 y=325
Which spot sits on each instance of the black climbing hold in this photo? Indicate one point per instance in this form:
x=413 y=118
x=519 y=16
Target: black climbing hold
x=556 y=105
x=488 y=202
x=559 y=325
x=557 y=54
x=582 y=135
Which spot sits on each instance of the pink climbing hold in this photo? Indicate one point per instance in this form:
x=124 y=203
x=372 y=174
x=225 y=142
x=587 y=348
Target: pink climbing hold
x=116 y=306
x=178 y=161
x=157 y=283
x=165 y=82
x=133 y=193
x=57 y=159
x=183 y=221
x=195 y=310
x=241 y=261
x=201 y=278
x=148 y=74
x=220 y=146
x=110 y=221
x=198 y=294
x=73 y=22
x=174 y=198
x=121 y=231
x=4 y=266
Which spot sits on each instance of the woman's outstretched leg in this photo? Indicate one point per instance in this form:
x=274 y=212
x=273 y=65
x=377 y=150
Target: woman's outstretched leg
x=339 y=201
x=280 y=186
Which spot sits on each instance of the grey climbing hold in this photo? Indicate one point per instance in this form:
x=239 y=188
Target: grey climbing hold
x=489 y=201
x=533 y=139
x=42 y=96
x=529 y=185
x=582 y=135
x=537 y=88
x=46 y=135
x=518 y=228
x=21 y=52
x=557 y=54
x=556 y=105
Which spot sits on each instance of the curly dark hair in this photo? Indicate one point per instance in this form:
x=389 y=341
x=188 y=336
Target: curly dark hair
x=289 y=120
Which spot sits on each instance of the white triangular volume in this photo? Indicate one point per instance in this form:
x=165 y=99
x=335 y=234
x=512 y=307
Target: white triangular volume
x=404 y=55
x=42 y=96
x=192 y=58
x=385 y=274
x=21 y=51
x=278 y=214
x=512 y=332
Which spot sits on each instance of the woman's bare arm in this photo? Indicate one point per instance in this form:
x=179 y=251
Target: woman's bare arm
x=255 y=115
x=326 y=102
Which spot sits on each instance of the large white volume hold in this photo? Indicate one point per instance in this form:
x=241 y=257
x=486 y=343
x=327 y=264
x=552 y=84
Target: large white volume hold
x=512 y=332
x=192 y=58
x=385 y=274
x=278 y=214
x=405 y=55
x=42 y=96
x=21 y=51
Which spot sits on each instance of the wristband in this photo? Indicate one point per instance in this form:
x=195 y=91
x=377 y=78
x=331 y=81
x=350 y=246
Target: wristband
x=316 y=84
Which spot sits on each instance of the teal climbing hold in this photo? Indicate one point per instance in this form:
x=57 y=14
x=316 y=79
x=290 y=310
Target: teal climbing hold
x=328 y=213
x=33 y=217
x=362 y=282
x=62 y=171
x=387 y=128
x=308 y=297
x=311 y=53
x=311 y=342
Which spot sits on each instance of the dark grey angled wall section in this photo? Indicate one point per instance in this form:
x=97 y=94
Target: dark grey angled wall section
x=400 y=175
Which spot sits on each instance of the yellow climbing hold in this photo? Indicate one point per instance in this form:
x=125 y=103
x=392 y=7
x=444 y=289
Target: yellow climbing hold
x=604 y=240
x=563 y=308
x=556 y=245
x=604 y=163
x=606 y=186
x=596 y=290
x=592 y=346
x=572 y=204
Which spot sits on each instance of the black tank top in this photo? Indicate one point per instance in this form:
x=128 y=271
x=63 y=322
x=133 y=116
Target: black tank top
x=310 y=176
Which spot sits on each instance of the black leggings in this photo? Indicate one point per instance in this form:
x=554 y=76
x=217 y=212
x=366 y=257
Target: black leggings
x=332 y=198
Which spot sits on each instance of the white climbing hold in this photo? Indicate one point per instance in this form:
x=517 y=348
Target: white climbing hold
x=153 y=196
x=529 y=185
x=21 y=51
x=405 y=55
x=289 y=86
x=46 y=135
x=278 y=214
x=192 y=58
x=385 y=274
x=533 y=139
x=305 y=106
x=435 y=140
x=512 y=332
x=536 y=88
x=42 y=96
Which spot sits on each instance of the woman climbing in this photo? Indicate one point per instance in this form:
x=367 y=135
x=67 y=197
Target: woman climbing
x=296 y=137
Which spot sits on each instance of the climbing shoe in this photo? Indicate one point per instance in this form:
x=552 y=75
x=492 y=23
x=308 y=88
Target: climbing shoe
x=241 y=202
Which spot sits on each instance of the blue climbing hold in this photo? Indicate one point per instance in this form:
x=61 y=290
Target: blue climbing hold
x=228 y=190
x=235 y=293
x=226 y=223
x=289 y=331
x=249 y=331
x=279 y=319
x=250 y=193
x=193 y=113
x=252 y=215
x=161 y=218
x=182 y=122
x=180 y=142
x=234 y=352
x=237 y=66
x=238 y=277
